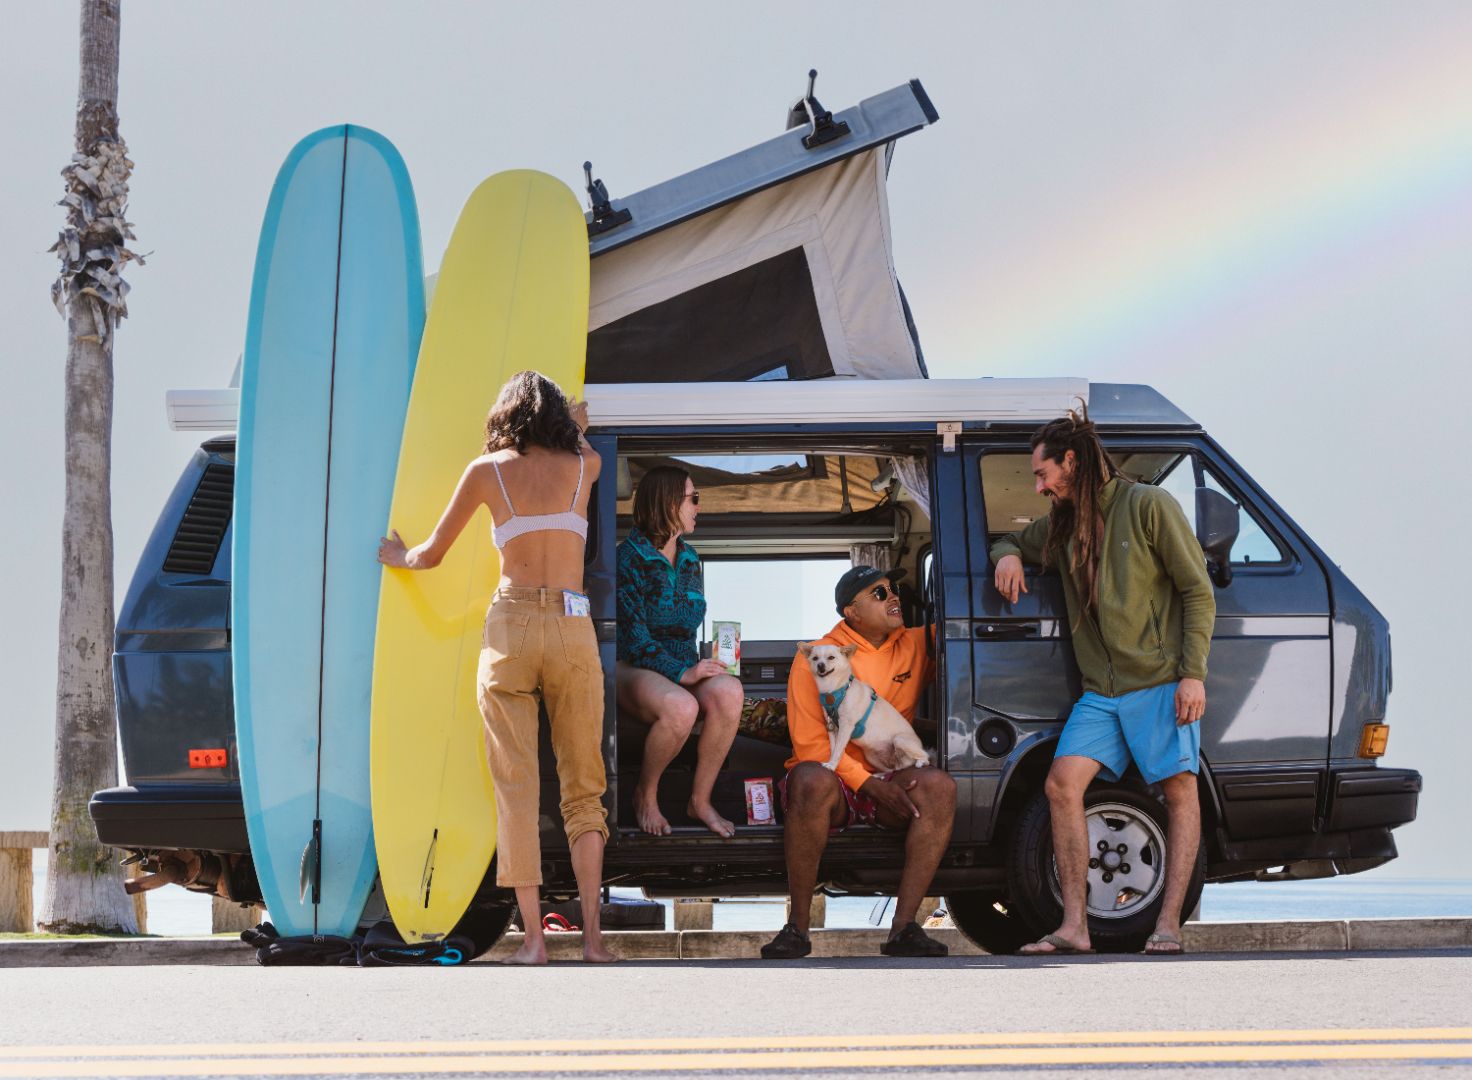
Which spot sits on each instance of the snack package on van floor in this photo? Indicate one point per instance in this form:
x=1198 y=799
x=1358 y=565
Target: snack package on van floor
x=726 y=647
x=759 y=801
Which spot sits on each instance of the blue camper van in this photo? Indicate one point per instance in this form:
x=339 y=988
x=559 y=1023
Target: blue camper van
x=747 y=323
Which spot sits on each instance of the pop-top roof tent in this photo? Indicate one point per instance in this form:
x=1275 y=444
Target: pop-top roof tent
x=773 y=263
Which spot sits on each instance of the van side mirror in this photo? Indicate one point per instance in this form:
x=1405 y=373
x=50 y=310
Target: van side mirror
x=1218 y=521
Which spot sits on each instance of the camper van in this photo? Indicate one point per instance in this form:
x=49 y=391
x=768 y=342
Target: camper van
x=747 y=323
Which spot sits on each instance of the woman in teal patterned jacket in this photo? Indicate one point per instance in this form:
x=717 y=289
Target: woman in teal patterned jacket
x=661 y=679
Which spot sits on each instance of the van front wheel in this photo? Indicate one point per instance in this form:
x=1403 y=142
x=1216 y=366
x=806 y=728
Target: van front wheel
x=1127 y=826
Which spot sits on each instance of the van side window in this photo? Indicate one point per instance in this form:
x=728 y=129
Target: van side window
x=1012 y=503
x=1007 y=487
x=1254 y=547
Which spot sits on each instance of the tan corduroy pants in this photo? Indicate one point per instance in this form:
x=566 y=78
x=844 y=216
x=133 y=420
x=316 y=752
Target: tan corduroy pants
x=532 y=653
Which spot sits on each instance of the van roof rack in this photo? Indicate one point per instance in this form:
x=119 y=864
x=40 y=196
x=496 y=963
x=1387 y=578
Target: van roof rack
x=832 y=400
x=873 y=122
x=820 y=401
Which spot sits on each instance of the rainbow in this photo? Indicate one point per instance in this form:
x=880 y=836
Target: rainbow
x=1279 y=210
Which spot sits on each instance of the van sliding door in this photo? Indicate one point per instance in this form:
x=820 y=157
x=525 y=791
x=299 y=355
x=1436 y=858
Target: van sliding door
x=600 y=579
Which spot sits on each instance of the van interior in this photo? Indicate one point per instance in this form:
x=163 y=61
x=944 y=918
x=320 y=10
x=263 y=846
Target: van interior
x=777 y=527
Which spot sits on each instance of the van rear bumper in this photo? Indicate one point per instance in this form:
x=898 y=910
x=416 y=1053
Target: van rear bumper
x=157 y=817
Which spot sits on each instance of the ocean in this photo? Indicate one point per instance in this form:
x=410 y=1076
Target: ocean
x=173 y=911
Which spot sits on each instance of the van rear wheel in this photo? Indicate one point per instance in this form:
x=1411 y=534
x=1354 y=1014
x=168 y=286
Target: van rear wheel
x=1126 y=880
x=988 y=922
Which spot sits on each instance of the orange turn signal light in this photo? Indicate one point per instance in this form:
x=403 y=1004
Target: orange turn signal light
x=209 y=759
x=1374 y=740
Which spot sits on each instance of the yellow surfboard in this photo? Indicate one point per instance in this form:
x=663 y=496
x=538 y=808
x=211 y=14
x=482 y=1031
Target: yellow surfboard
x=512 y=294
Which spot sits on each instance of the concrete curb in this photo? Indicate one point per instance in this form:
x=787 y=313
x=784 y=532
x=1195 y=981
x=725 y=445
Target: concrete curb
x=125 y=952
x=1320 y=935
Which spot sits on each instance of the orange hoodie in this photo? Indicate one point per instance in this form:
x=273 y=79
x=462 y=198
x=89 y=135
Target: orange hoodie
x=899 y=669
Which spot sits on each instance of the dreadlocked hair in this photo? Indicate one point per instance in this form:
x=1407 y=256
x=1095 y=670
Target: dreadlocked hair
x=531 y=410
x=1077 y=518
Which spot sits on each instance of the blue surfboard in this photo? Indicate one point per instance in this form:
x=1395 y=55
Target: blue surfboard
x=336 y=314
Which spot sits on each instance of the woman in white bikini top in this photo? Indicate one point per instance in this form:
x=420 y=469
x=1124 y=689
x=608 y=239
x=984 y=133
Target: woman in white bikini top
x=532 y=435
x=539 y=463
x=516 y=525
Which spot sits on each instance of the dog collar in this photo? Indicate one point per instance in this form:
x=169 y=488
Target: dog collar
x=832 y=702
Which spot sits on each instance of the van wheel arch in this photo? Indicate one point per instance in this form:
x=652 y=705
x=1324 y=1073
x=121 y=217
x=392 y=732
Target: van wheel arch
x=1022 y=780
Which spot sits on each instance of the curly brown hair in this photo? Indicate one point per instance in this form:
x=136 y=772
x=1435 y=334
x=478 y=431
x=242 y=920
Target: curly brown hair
x=1078 y=518
x=657 y=503
x=531 y=410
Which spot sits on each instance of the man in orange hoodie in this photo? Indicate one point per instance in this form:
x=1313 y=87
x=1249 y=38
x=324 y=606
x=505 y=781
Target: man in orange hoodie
x=816 y=802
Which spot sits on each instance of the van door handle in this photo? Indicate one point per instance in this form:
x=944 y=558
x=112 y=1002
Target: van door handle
x=1007 y=631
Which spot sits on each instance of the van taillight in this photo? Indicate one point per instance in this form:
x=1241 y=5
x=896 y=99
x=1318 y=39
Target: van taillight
x=209 y=759
x=1374 y=740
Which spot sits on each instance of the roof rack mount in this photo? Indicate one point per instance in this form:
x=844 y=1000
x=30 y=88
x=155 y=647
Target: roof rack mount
x=808 y=110
x=605 y=217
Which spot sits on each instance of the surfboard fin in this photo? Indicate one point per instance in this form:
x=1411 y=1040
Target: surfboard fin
x=311 y=874
x=427 y=877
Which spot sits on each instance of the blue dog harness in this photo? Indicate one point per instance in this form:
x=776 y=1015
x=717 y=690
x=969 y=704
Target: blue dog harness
x=831 y=703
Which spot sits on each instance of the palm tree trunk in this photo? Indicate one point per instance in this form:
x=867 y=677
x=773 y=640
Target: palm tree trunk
x=84 y=886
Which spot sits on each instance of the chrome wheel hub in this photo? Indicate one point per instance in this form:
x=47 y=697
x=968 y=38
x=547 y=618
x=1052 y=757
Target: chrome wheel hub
x=1126 y=861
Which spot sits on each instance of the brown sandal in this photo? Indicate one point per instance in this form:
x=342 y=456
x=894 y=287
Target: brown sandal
x=1060 y=947
x=1163 y=939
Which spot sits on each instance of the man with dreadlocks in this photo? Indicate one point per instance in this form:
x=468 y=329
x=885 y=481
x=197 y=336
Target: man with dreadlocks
x=1141 y=607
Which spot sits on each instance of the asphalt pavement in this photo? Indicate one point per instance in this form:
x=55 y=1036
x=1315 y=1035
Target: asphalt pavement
x=1340 y=1014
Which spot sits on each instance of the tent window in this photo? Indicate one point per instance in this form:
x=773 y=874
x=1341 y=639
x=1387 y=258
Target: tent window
x=758 y=323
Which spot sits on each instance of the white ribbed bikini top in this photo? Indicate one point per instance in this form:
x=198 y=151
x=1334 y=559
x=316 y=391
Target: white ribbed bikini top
x=567 y=521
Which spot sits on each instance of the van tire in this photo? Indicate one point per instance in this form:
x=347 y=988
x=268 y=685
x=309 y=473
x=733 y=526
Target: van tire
x=484 y=923
x=1140 y=815
x=489 y=915
x=987 y=922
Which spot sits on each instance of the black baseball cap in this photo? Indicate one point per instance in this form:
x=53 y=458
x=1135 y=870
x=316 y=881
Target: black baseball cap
x=856 y=580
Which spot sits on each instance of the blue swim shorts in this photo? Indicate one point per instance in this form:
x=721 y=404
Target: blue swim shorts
x=1140 y=725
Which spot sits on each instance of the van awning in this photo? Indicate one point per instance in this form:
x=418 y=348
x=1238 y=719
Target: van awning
x=774 y=263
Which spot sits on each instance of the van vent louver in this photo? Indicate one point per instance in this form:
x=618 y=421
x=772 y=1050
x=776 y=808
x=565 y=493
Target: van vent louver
x=205 y=520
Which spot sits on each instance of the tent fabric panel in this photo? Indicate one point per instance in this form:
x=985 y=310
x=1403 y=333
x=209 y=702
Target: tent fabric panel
x=841 y=215
x=759 y=322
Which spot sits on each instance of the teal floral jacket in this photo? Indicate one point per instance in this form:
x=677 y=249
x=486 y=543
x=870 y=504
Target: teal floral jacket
x=661 y=608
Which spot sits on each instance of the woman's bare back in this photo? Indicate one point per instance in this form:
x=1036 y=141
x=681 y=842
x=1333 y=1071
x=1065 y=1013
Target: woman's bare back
x=540 y=481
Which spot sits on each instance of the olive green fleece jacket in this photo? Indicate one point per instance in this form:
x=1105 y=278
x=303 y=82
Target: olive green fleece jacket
x=1156 y=606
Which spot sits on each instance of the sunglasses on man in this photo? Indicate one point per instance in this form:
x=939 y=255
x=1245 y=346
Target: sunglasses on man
x=883 y=592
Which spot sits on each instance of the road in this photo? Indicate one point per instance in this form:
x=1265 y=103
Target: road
x=1345 y=1014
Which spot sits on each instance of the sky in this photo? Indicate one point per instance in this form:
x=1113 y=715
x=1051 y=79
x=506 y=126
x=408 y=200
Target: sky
x=1262 y=209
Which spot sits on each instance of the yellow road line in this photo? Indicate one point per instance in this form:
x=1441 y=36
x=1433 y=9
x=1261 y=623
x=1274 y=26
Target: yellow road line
x=746 y=1042
x=743 y=1060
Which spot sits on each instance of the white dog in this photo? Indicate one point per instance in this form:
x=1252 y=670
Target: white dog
x=855 y=711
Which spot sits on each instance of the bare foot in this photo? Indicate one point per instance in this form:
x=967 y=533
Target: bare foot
x=595 y=952
x=531 y=954
x=646 y=812
x=712 y=820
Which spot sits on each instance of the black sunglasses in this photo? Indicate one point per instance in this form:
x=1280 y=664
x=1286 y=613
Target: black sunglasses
x=694 y=497
x=884 y=592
